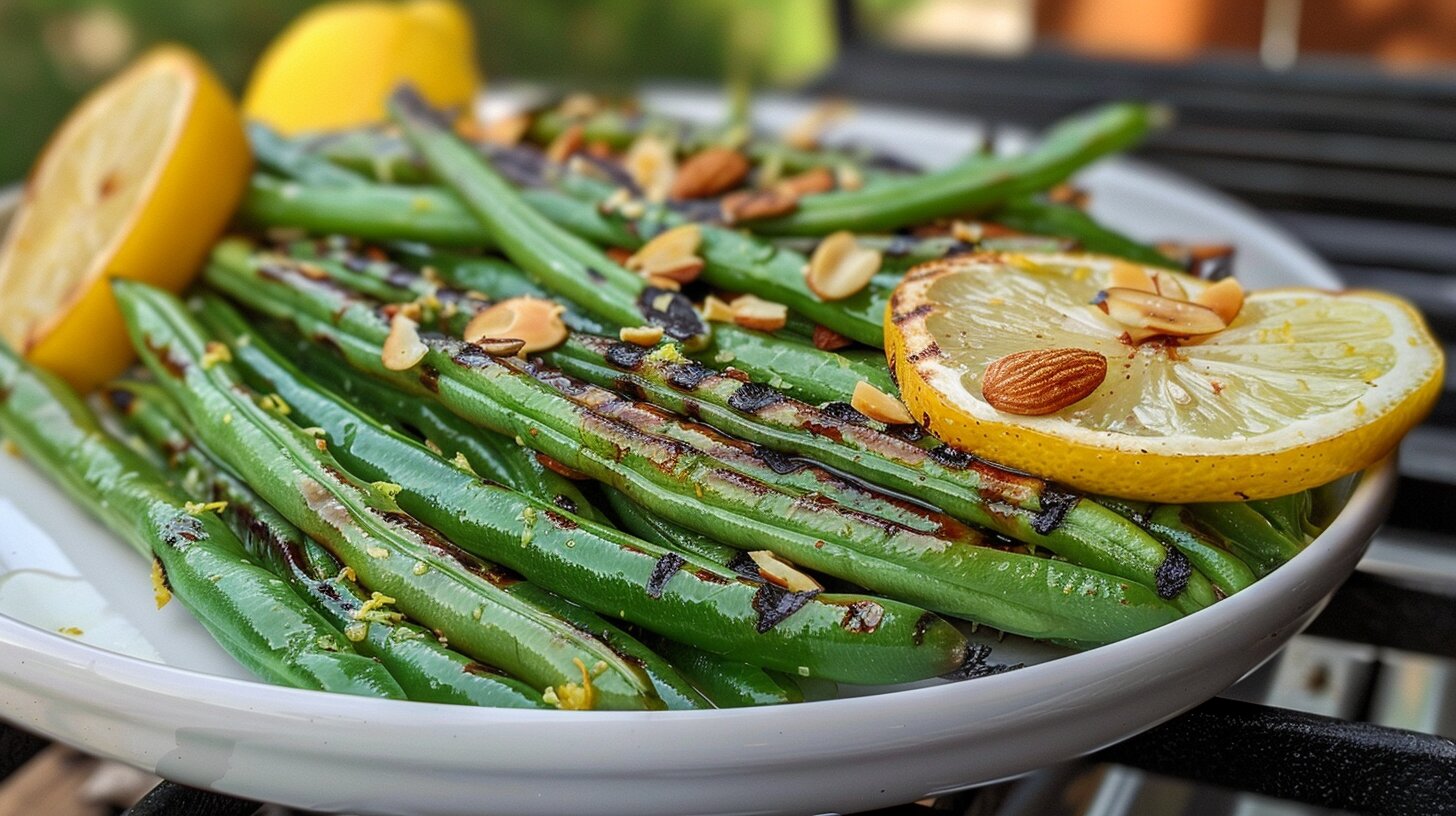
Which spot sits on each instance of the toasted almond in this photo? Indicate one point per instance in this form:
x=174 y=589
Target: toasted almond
x=840 y=267
x=1070 y=195
x=1143 y=310
x=829 y=339
x=1042 y=381
x=879 y=406
x=848 y=177
x=535 y=322
x=500 y=346
x=1168 y=286
x=660 y=282
x=670 y=255
x=506 y=131
x=579 y=105
x=809 y=182
x=716 y=310
x=709 y=172
x=804 y=134
x=1225 y=298
x=1126 y=275
x=781 y=573
x=619 y=255
x=641 y=335
x=752 y=312
x=748 y=205
x=650 y=163
x=403 y=348
x=566 y=143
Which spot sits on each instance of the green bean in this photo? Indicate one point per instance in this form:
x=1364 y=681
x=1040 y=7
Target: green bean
x=250 y=613
x=727 y=684
x=372 y=212
x=1021 y=507
x=362 y=526
x=286 y=157
x=974 y=184
x=1209 y=553
x=1018 y=593
x=1290 y=515
x=664 y=533
x=426 y=669
x=699 y=602
x=1251 y=536
x=1038 y=217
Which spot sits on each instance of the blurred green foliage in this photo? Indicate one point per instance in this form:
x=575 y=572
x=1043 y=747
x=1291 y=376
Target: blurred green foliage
x=55 y=50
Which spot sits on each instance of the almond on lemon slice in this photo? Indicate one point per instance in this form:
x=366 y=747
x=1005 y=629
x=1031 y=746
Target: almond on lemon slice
x=1225 y=298
x=1142 y=310
x=1042 y=381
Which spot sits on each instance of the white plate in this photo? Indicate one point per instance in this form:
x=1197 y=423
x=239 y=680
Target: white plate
x=149 y=688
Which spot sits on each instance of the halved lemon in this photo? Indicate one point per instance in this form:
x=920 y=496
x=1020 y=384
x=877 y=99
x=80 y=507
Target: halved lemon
x=335 y=65
x=137 y=183
x=1302 y=387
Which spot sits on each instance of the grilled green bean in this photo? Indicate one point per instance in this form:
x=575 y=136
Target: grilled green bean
x=250 y=613
x=974 y=184
x=697 y=602
x=426 y=669
x=727 y=684
x=1014 y=592
x=1038 y=217
x=362 y=526
x=1251 y=536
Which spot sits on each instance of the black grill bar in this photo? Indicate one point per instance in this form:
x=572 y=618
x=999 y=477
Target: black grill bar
x=16 y=748
x=1301 y=757
x=1369 y=609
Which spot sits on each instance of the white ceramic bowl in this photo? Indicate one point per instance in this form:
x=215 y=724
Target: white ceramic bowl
x=150 y=689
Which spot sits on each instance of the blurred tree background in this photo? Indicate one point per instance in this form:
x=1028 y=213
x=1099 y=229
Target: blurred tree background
x=55 y=50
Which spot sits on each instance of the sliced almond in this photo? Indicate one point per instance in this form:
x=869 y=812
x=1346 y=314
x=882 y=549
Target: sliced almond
x=807 y=183
x=1168 y=286
x=781 y=573
x=840 y=267
x=670 y=255
x=753 y=312
x=710 y=172
x=535 y=322
x=500 y=346
x=805 y=133
x=1225 y=298
x=659 y=282
x=641 y=335
x=748 y=205
x=879 y=406
x=716 y=310
x=506 y=131
x=1126 y=275
x=579 y=105
x=619 y=255
x=1142 y=310
x=848 y=177
x=566 y=143
x=650 y=163
x=1042 y=381
x=403 y=348
x=830 y=340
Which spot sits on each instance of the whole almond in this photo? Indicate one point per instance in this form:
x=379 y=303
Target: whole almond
x=709 y=172
x=1042 y=381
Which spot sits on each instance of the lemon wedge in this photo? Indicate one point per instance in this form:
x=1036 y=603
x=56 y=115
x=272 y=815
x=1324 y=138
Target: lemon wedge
x=335 y=66
x=1300 y=387
x=137 y=183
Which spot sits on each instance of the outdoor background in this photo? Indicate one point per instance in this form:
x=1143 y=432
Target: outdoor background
x=51 y=51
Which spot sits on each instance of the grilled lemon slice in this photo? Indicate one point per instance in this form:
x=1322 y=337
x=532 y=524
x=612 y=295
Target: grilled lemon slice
x=1301 y=387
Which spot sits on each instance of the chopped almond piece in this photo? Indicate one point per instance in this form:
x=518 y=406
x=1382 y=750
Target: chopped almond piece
x=840 y=267
x=848 y=177
x=500 y=346
x=1225 y=298
x=1126 y=275
x=641 y=335
x=650 y=163
x=809 y=182
x=752 y=312
x=659 y=282
x=804 y=134
x=877 y=405
x=781 y=573
x=748 y=205
x=535 y=322
x=566 y=143
x=403 y=348
x=1142 y=310
x=619 y=255
x=716 y=310
x=670 y=255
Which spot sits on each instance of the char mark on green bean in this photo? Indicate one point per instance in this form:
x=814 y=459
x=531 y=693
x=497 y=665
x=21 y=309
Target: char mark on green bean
x=862 y=616
x=844 y=412
x=1173 y=574
x=774 y=605
x=670 y=310
x=1055 y=504
x=687 y=376
x=662 y=572
x=779 y=462
x=626 y=356
x=977 y=664
x=182 y=530
x=752 y=397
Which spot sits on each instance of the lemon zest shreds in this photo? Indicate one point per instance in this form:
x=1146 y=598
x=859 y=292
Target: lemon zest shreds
x=376 y=609
x=161 y=593
x=387 y=489
x=199 y=508
x=216 y=353
x=574 y=697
